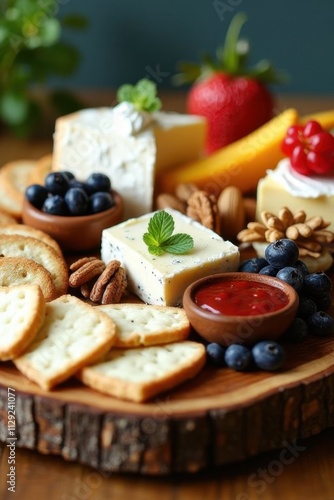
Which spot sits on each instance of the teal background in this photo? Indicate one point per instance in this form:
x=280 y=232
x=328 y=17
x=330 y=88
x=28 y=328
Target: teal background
x=129 y=39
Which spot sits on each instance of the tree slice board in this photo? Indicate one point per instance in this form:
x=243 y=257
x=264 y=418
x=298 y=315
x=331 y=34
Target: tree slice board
x=220 y=416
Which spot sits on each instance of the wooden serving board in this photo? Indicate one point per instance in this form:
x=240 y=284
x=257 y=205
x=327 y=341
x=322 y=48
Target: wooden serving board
x=219 y=417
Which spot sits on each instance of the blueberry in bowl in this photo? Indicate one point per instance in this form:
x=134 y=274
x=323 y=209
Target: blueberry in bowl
x=73 y=212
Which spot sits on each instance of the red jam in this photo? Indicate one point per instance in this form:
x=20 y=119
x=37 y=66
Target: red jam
x=240 y=298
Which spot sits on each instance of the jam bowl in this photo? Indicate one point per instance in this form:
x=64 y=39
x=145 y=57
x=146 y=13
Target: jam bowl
x=75 y=233
x=237 y=307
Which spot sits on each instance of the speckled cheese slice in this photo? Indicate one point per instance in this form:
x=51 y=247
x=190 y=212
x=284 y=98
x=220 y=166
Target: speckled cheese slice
x=162 y=280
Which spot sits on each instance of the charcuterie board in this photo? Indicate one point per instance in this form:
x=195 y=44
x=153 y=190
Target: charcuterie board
x=219 y=417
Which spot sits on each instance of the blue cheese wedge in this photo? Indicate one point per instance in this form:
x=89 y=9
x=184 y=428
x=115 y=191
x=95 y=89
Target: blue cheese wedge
x=162 y=280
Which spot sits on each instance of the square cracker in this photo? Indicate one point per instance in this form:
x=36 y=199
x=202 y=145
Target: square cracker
x=141 y=373
x=22 y=311
x=73 y=335
x=144 y=324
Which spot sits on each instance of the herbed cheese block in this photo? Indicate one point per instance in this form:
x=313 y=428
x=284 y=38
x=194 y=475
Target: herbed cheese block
x=162 y=280
x=284 y=187
x=128 y=146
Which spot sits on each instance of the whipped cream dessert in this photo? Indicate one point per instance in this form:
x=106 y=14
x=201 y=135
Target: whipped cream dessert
x=129 y=146
x=284 y=187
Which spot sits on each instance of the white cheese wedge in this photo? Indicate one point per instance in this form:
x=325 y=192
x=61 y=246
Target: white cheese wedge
x=162 y=280
x=128 y=146
x=283 y=187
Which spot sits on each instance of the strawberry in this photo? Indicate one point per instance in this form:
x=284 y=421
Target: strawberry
x=234 y=100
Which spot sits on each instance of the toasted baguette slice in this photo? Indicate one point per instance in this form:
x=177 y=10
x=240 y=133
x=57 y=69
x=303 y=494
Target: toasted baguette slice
x=73 y=335
x=22 y=311
x=139 y=374
x=143 y=324
x=21 y=271
x=12 y=245
x=24 y=230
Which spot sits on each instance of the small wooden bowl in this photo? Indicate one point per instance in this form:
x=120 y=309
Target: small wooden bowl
x=74 y=233
x=227 y=329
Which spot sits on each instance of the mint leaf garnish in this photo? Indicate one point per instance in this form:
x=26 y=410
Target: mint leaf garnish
x=143 y=95
x=178 y=243
x=159 y=238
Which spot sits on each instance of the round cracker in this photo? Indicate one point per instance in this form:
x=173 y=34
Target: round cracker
x=6 y=218
x=13 y=245
x=24 y=230
x=10 y=205
x=14 y=178
x=22 y=271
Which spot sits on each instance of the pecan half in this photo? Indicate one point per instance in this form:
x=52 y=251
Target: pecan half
x=103 y=280
x=86 y=272
x=115 y=288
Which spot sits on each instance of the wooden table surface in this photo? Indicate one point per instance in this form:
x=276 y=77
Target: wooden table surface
x=306 y=474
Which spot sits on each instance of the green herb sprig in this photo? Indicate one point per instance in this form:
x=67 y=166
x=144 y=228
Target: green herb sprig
x=143 y=95
x=160 y=237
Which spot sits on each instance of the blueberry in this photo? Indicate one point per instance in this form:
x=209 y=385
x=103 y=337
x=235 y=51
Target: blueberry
x=268 y=355
x=36 y=194
x=302 y=267
x=306 y=307
x=101 y=201
x=320 y=324
x=282 y=253
x=238 y=357
x=292 y=276
x=68 y=174
x=297 y=331
x=98 y=182
x=215 y=354
x=57 y=183
x=253 y=265
x=77 y=201
x=78 y=184
x=55 y=205
x=317 y=284
x=323 y=302
x=268 y=271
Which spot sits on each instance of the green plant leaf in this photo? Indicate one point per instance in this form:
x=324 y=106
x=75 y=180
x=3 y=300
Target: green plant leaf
x=188 y=72
x=161 y=226
x=178 y=243
x=29 y=126
x=159 y=238
x=125 y=93
x=14 y=107
x=50 y=32
x=143 y=95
